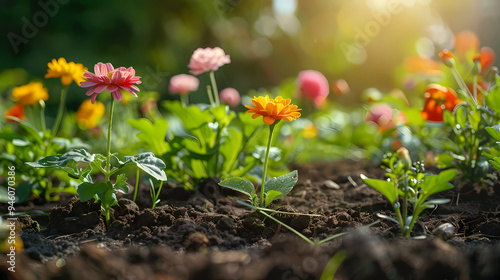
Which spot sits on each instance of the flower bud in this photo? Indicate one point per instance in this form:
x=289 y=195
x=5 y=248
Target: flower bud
x=404 y=155
x=476 y=68
x=447 y=58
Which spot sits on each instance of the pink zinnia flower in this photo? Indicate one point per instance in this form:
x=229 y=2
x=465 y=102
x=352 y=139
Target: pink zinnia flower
x=113 y=80
x=230 y=96
x=208 y=59
x=183 y=84
x=314 y=86
x=383 y=116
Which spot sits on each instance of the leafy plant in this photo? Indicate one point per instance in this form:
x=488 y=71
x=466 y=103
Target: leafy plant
x=408 y=188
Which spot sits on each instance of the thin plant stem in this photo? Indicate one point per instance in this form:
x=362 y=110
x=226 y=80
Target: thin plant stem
x=288 y=227
x=214 y=88
x=185 y=100
x=108 y=149
x=157 y=195
x=461 y=83
x=266 y=161
x=210 y=97
x=475 y=87
x=60 y=112
x=42 y=115
x=136 y=183
x=405 y=199
x=217 y=151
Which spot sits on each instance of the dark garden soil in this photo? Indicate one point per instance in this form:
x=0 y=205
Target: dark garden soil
x=205 y=234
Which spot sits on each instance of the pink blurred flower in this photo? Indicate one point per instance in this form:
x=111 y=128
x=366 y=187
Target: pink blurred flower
x=183 y=84
x=113 y=80
x=230 y=96
x=208 y=59
x=314 y=86
x=381 y=114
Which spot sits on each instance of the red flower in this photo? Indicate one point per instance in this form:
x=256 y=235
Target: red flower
x=15 y=111
x=486 y=58
x=447 y=58
x=437 y=99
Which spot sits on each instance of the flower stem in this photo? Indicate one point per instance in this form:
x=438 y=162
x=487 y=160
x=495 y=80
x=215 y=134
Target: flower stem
x=210 y=97
x=60 y=111
x=108 y=153
x=157 y=195
x=214 y=88
x=475 y=87
x=184 y=100
x=266 y=160
x=136 y=184
x=42 y=116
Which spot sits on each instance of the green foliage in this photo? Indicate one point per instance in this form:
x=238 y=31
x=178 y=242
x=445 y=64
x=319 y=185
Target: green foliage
x=407 y=186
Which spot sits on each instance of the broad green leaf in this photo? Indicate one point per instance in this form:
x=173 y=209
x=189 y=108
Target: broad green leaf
x=493 y=99
x=121 y=184
x=78 y=155
x=387 y=189
x=87 y=191
x=444 y=160
x=29 y=128
x=192 y=117
x=222 y=115
x=495 y=163
x=239 y=184
x=282 y=184
x=230 y=149
x=460 y=116
x=148 y=163
x=448 y=118
x=152 y=135
x=432 y=202
x=272 y=195
x=494 y=131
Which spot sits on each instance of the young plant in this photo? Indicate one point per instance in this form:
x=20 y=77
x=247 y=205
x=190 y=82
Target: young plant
x=408 y=187
x=467 y=119
x=272 y=111
x=80 y=164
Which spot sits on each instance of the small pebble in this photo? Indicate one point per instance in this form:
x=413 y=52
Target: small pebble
x=444 y=231
x=331 y=184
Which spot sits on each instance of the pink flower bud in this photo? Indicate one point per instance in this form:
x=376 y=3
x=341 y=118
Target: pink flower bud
x=230 y=96
x=208 y=59
x=183 y=84
x=314 y=86
x=404 y=155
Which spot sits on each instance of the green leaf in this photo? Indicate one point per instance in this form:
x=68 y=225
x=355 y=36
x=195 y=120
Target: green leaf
x=282 y=184
x=494 y=131
x=148 y=163
x=272 y=195
x=444 y=160
x=495 y=163
x=223 y=115
x=433 y=184
x=37 y=135
x=87 y=191
x=475 y=119
x=78 y=155
x=242 y=185
x=121 y=184
x=493 y=99
x=460 y=116
x=192 y=117
x=387 y=189
x=230 y=149
x=152 y=135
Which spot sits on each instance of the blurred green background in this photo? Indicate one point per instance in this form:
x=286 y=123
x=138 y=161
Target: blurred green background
x=361 y=41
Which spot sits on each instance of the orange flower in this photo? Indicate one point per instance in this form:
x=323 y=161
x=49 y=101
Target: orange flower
x=15 y=111
x=464 y=42
x=273 y=109
x=486 y=58
x=30 y=94
x=437 y=99
x=447 y=58
x=422 y=65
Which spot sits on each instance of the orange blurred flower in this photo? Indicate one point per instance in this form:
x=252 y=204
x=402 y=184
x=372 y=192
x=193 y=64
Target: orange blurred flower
x=465 y=41
x=88 y=115
x=437 y=99
x=273 y=109
x=15 y=111
x=68 y=72
x=30 y=94
x=486 y=58
x=422 y=65
x=310 y=131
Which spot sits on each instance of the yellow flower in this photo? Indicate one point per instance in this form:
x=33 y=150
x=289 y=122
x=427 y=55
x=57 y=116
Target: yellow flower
x=30 y=94
x=88 y=115
x=68 y=72
x=310 y=131
x=273 y=109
